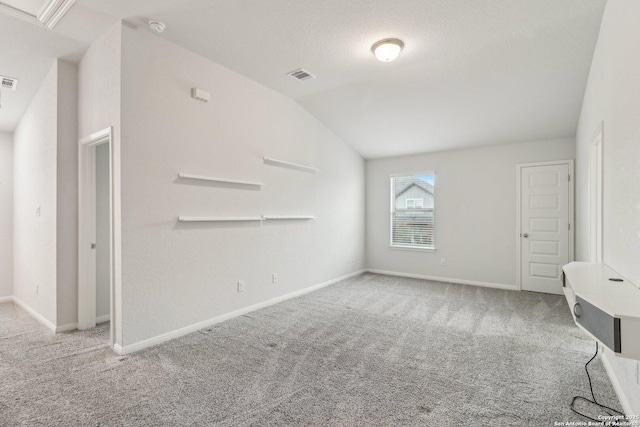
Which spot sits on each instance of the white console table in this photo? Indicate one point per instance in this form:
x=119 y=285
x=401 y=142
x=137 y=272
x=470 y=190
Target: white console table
x=607 y=310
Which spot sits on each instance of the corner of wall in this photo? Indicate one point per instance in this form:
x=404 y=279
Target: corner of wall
x=67 y=194
x=6 y=215
x=99 y=107
x=611 y=98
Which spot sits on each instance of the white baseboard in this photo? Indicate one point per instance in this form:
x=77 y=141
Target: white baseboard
x=127 y=349
x=445 y=279
x=102 y=319
x=39 y=317
x=67 y=328
x=622 y=397
x=6 y=299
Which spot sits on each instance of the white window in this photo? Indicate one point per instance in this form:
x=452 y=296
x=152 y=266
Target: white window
x=412 y=211
x=415 y=203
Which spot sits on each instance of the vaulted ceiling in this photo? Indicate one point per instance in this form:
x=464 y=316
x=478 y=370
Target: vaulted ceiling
x=27 y=51
x=473 y=72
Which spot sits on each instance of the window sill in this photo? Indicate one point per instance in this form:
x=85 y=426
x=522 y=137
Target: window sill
x=411 y=248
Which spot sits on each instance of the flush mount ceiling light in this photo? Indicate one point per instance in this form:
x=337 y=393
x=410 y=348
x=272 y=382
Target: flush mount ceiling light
x=53 y=11
x=387 y=50
x=157 y=26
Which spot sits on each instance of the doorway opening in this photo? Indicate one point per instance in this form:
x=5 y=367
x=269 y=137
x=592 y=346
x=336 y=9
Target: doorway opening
x=96 y=302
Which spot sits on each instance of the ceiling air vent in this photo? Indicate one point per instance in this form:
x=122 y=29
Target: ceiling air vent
x=9 y=83
x=301 y=75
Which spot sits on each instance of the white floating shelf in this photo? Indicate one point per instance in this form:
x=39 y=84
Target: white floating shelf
x=212 y=179
x=277 y=217
x=605 y=305
x=289 y=165
x=218 y=219
x=243 y=218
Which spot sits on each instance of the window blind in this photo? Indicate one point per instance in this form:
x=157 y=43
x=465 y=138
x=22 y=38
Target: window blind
x=413 y=211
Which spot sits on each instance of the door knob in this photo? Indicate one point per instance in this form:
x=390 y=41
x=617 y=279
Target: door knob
x=525 y=235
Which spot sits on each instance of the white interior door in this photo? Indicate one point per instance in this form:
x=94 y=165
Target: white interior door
x=544 y=224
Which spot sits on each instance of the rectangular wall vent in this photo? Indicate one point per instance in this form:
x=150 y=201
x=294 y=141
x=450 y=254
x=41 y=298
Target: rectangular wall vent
x=301 y=75
x=9 y=83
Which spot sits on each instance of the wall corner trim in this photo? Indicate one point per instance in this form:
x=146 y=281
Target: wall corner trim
x=39 y=317
x=624 y=400
x=445 y=279
x=6 y=299
x=159 y=339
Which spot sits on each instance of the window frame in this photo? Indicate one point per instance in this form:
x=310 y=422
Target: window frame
x=392 y=210
x=406 y=203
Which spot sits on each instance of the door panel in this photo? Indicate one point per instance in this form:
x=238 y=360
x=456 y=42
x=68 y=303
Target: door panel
x=544 y=237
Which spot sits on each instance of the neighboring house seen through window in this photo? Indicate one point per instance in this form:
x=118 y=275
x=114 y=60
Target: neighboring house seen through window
x=412 y=211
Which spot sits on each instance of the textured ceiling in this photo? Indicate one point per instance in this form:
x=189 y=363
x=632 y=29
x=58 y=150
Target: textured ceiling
x=473 y=72
x=29 y=6
x=27 y=52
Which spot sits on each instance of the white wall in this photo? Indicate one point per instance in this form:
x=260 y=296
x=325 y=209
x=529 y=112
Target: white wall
x=613 y=96
x=475 y=211
x=99 y=87
x=45 y=175
x=175 y=275
x=103 y=245
x=35 y=181
x=6 y=214
x=99 y=84
x=67 y=195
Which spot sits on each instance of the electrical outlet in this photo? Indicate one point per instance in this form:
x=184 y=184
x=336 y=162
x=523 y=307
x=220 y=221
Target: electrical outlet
x=443 y=261
x=241 y=286
x=38 y=210
x=37 y=289
x=274 y=278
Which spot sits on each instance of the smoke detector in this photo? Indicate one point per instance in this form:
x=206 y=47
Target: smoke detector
x=157 y=26
x=9 y=83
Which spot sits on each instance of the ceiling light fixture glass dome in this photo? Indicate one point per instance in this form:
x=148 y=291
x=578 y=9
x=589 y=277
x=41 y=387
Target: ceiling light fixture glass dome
x=387 y=50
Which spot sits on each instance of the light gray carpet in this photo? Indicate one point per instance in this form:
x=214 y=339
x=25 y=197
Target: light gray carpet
x=369 y=351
